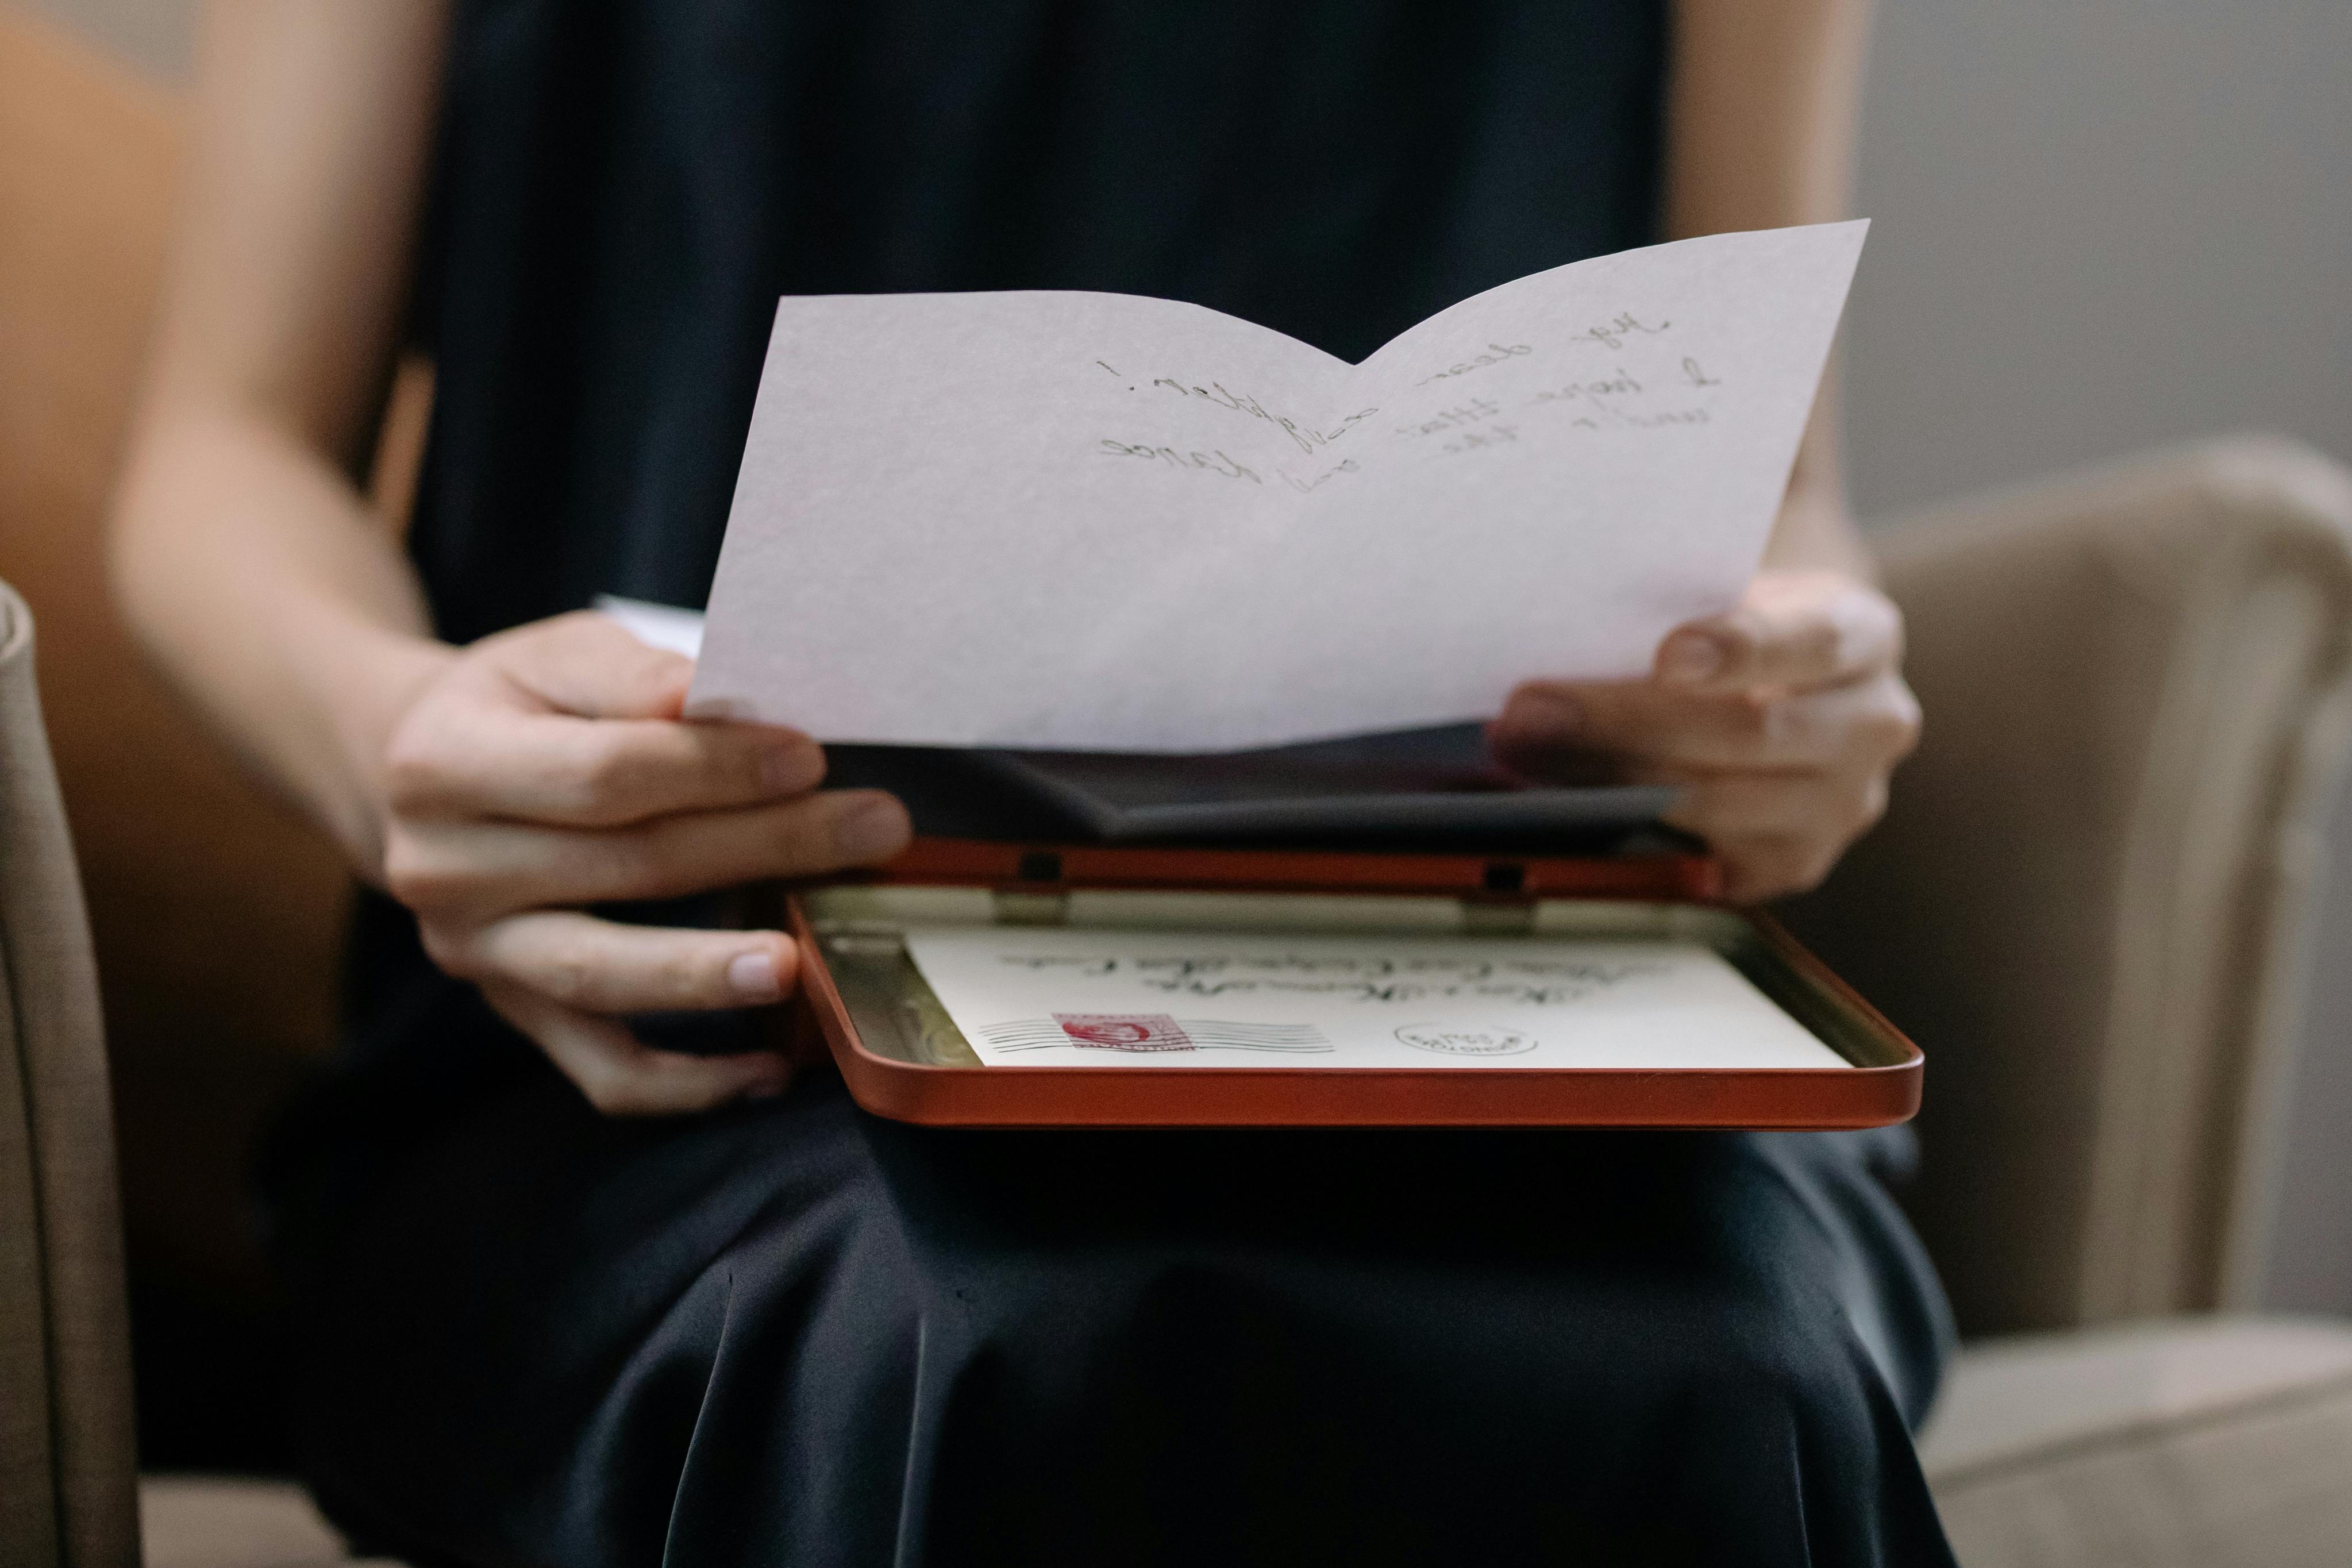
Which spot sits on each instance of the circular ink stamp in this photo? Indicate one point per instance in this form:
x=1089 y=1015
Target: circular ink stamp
x=1125 y=1031
x=1465 y=1039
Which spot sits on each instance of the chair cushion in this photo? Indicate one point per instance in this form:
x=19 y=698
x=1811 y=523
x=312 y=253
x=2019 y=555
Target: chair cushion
x=236 y=1521
x=2208 y=1442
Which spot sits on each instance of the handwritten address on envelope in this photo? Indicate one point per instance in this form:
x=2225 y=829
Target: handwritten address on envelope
x=1100 y=521
x=1103 y=998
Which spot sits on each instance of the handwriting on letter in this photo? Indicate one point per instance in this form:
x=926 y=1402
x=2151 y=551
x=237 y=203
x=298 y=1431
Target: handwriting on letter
x=1495 y=355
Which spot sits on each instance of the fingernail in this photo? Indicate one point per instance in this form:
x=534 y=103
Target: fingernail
x=789 y=769
x=1690 y=657
x=754 y=977
x=872 y=830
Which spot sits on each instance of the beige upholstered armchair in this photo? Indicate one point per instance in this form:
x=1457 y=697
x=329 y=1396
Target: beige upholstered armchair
x=2093 y=904
x=2092 y=900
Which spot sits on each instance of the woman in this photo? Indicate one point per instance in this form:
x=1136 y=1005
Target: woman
x=573 y=1296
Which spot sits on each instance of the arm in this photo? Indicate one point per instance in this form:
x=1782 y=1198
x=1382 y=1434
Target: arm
x=495 y=789
x=242 y=553
x=1782 y=718
x=1760 y=134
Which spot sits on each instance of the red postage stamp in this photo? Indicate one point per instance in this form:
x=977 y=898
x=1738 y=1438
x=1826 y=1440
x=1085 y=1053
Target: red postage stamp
x=1125 y=1031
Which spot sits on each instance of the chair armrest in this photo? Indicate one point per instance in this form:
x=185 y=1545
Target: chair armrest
x=2091 y=899
x=66 y=1441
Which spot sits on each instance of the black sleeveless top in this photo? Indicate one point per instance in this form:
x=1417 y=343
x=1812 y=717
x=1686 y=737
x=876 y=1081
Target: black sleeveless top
x=624 y=188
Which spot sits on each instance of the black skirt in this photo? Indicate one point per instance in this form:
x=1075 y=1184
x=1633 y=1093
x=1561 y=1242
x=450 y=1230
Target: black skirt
x=793 y=1333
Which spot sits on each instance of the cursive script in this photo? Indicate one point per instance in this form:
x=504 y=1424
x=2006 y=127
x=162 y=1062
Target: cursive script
x=1216 y=462
x=1380 y=981
x=1345 y=465
x=1613 y=332
x=1307 y=436
x=1495 y=355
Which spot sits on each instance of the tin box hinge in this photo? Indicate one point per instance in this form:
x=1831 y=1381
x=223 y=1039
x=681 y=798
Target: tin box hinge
x=1501 y=906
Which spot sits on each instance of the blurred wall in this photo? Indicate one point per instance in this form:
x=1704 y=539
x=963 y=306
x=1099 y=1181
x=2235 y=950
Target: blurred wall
x=2101 y=225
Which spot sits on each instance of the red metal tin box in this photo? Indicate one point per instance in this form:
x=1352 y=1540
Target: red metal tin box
x=902 y=1058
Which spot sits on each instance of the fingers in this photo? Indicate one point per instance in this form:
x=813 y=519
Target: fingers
x=1778 y=778
x=573 y=721
x=1792 y=630
x=586 y=664
x=548 y=768
x=622 y=1077
x=1548 y=725
x=460 y=761
x=581 y=962
x=470 y=872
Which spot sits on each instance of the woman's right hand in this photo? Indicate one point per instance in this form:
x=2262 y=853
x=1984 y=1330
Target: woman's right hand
x=546 y=768
x=498 y=790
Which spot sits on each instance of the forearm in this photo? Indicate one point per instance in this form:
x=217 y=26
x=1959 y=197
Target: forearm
x=255 y=575
x=1816 y=530
x=1760 y=130
x=1817 y=534
x=243 y=555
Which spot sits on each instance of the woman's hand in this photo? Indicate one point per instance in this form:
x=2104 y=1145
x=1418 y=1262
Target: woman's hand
x=545 y=768
x=1782 y=719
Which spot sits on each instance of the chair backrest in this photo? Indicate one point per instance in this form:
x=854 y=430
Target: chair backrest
x=67 y=1462
x=217 y=914
x=2093 y=897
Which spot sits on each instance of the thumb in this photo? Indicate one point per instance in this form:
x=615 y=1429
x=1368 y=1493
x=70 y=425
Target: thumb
x=588 y=665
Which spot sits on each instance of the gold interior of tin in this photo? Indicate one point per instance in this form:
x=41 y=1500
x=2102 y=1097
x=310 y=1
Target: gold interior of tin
x=861 y=931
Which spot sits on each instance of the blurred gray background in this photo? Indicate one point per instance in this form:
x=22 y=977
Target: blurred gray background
x=2100 y=225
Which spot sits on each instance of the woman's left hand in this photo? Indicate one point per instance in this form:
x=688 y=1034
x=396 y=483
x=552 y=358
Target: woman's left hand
x=1782 y=719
